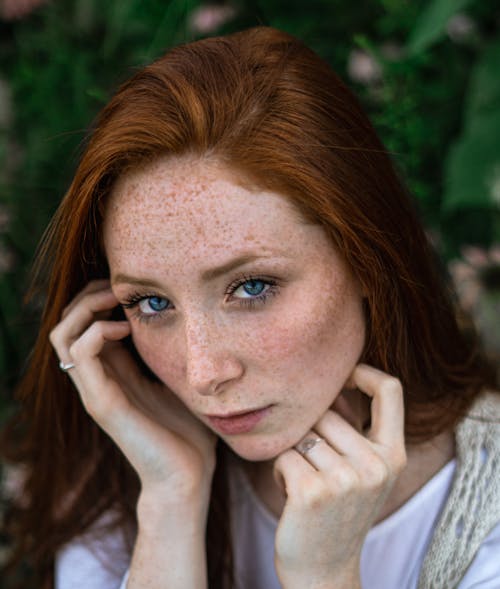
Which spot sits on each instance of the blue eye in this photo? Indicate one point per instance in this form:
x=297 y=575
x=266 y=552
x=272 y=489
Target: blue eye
x=253 y=288
x=152 y=305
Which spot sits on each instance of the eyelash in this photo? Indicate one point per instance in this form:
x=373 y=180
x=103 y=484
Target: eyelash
x=134 y=299
x=250 y=303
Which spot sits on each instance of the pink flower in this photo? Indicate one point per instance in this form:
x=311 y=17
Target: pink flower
x=7 y=259
x=477 y=281
x=209 y=17
x=460 y=27
x=4 y=218
x=16 y=9
x=363 y=68
x=12 y=481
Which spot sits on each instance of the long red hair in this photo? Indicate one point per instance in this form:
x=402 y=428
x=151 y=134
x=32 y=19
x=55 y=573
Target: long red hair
x=270 y=108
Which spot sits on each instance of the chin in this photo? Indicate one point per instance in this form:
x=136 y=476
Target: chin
x=258 y=449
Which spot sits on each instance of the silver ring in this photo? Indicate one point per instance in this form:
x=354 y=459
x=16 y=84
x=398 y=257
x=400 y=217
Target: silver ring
x=307 y=444
x=65 y=367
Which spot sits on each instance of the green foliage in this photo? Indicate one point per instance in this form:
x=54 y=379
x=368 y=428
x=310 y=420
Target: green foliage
x=431 y=23
x=472 y=169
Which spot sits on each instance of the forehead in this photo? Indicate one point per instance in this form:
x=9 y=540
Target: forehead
x=192 y=208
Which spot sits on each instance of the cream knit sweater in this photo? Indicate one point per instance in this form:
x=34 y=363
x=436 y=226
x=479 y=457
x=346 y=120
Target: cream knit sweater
x=473 y=506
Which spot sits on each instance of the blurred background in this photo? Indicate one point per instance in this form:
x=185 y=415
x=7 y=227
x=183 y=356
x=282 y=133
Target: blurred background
x=427 y=72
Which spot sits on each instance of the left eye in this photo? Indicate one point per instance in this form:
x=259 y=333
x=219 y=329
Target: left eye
x=152 y=305
x=251 y=288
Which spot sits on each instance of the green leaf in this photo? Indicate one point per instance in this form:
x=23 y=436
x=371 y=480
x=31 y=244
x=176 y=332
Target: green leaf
x=431 y=24
x=472 y=169
x=484 y=87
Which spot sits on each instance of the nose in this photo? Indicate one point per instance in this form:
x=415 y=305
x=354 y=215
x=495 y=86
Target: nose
x=211 y=362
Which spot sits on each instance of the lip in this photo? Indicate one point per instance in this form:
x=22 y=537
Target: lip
x=238 y=422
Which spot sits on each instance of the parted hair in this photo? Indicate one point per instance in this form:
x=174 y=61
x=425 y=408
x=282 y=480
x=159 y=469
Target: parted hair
x=269 y=108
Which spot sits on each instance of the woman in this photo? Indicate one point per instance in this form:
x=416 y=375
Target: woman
x=255 y=377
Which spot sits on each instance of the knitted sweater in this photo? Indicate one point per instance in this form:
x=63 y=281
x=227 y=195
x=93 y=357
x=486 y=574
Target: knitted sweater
x=473 y=506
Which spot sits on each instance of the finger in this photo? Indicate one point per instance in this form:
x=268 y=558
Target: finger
x=93 y=286
x=341 y=435
x=79 y=318
x=109 y=405
x=348 y=458
x=89 y=374
x=387 y=409
x=316 y=449
x=290 y=470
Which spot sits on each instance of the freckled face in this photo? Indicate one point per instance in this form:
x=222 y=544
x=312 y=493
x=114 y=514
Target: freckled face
x=235 y=302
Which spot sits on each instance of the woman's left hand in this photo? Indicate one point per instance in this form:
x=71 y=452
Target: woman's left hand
x=335 y=490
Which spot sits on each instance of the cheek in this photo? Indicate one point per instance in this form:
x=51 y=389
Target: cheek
x=158 y=351
x=324 y=340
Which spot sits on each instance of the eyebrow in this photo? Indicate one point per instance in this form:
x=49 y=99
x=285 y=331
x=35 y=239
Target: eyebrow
x=207 y=275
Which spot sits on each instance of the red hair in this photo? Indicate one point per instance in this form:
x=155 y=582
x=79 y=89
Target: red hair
x=268 y=107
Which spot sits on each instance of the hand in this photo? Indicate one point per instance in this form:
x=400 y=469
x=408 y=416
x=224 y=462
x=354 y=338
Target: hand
x=336 y=489
x=172 y=452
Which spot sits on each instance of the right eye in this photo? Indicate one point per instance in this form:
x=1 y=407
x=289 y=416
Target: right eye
x=153 y=305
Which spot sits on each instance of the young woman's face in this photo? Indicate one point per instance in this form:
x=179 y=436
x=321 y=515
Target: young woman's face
x=236 y=303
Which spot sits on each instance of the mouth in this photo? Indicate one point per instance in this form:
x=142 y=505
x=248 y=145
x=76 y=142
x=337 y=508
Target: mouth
x=238 y=422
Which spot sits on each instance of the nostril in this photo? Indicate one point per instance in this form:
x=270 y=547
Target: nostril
x=207 y=375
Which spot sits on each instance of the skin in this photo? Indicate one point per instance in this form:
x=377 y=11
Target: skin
x=166 y=226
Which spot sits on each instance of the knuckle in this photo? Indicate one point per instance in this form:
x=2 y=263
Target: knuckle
x=54 y=338
x=88 y=339
x=314 y=493
x=377 y=473
x=97 y=328
x=392 y=386
x=346 y=479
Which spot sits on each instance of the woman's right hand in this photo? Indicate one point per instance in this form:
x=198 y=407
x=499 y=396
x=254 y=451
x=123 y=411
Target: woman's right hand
x=172 y=452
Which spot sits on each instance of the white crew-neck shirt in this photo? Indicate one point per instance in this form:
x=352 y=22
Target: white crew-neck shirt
x=393 y=551
x=391 y=558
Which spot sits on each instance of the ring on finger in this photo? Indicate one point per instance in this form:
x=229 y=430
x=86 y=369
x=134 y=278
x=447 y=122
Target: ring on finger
x=307 y=444
x=65 y=367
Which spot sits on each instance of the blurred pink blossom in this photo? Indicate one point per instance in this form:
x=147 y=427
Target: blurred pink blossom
x=469 y=273
x=12 y=481
x=476 y=277
x=460 y=27
x=209 y=17
x=16 y=9
x=4 y=218
x=363 y=68
x=7 y=259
